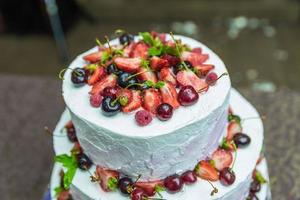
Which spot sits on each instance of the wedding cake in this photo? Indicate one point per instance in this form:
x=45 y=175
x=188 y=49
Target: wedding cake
x=154 y=116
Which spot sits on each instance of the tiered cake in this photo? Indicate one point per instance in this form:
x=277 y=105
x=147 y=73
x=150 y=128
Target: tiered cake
x=154 y=117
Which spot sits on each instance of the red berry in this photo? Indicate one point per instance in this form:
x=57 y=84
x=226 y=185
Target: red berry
x=71 y=132
x=164 y=111
x=173 y=183
x=143 y=117
x=187 y=96
x=125 y=184
x=188 y=177
x=255 y=186
x=95 y=100
x=211 y=78
x=138 y=194
x=227 y=176
x=110 y=91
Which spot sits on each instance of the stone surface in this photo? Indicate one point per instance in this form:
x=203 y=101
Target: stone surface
x=29 y=103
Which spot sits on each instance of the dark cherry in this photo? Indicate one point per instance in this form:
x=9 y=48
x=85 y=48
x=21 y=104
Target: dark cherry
x=211 y=78
x=138 y=194
x=227 y=176
x=110 y=107
x=84 y=162
x=124 y=80
x=110 y=92
x=125 y=184
x=241 y=140
x=164 y=111
x=255 y=186
x=173 y=183
x=126 y=38
x=252 y=196
x=71 y=133
x=79 y=76
x=188 y=177
x=112 y=69
x=187 y=96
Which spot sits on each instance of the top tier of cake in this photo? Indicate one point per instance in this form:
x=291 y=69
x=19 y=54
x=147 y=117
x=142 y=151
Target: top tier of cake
x=161 y=148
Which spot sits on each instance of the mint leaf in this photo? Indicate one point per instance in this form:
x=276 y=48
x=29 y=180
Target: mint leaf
x=145 y=63
x=112 y=183
x=68 y=177
x=149 y=83
x=259 y=177
x=58 y=190
x=147 y=37
x=155 y=51
x=69 y=162
x=66 y=160
x=170 y=50
x=159 y=84
x=232 y=117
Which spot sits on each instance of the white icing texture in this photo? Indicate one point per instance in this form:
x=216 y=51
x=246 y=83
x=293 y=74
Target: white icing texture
x=161 y=148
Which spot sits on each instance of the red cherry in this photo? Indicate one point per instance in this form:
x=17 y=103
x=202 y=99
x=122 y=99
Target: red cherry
x=164 y=111
x=187 y=95
x=227 y=176
x=143 y=117
x=188 y=177
x=211 y=78
x=138 y=194
x=110 y=92
x=95 y=100
x=173 y=183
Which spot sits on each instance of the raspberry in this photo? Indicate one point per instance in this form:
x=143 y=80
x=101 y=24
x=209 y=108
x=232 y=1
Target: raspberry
x=95 y=100
x=143 y=117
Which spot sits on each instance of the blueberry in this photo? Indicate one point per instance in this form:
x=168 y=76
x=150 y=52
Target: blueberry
x=110 y=106
x=126 y=38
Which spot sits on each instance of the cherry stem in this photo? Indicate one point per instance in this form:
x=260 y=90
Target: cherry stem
x=62 y=72
x=94 y=177
x=107 y=40
x=133 y=84
x=48 y=131
x=99 y=42
x=134 y=75
x=137 y=179
x=120 y=31
x=215 y=190
x=204 y=88
x=235 y=155
x=262 y=117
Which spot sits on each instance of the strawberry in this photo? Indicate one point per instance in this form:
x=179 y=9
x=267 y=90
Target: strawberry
x=151 y=100
x=206 y=171
x=98 y=74
x=221 y=159
x=140 y=50
x=161 y=36
x=157 y=63
x=128 y=64
x=150 y=188
x=135 y=103
x=108 y=179
x=128 y=49
x=93 y=57
x=187 y=77
x=110 y=80
x=197 y=50
x=69 y=125
x=169 y=95
x=166 y=74
x=194 y=58
x=64 y=195
x=125 y=92
x=172 y=60
x=232 y=129
x=202 y=70
x=145 y=74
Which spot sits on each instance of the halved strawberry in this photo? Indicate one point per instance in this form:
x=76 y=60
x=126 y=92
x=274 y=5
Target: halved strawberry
x=151 y=187
x=125 y=92
x=172 y=60
x=140 y=50
x=128 y=49
x=157 y=63
x=169 y=95
x=64 y=195
x=232 y=129
x=145 y=75
x=194 y=58
x=151 y=100
x=135 y=103
x=167 y=75
x=202 y=70
x=98 y=74
x=93 y=57
x=197 y=50
x=221 y=159
x=108 y=178
x=206 y=171
x=187 y=77
x=110 y=80
x=161 y=36
x=128 y=64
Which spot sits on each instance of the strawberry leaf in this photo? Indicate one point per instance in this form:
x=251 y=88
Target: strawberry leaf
x=112 y=183
x=155 y=51
x=58 y=190
x=232 y=117
x=70 y=163
x=259 y=177
x=68 y=177
x=159 y=84
x=147 y=38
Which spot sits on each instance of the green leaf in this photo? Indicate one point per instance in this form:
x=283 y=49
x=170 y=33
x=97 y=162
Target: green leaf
x=105 y=57
x=155 y=51
x=58 y=190
x=118 y=52
x=158 y=189
x=147 y=37
x=123 y=100
x=68 y=177
x=259 y=177
x=232 y=117
x=66 y=160
x=149 y=83
x=91 y=67
x=112 y=183
x=159 y=84
x=170 y=50
x=145 y=63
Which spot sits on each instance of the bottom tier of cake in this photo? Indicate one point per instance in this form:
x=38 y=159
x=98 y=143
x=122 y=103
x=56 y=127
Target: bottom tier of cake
x=83 y=189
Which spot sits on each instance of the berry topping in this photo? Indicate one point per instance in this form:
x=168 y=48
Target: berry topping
x=150 y=188
x=84 y=162
x=135 y=103
x=206 y=171
x=151 y=100
x=227 y=176
x=167 y=75
x=187 y=96
x=211 y=78
x=108 y=81
x=197 y=50
x=202 y=70
x=138 y=194
x=79 y=76
x=98 y=74
x=125 y=95
x=169 y=95
x=255 y=186
x=232 y=129
x=143 y=117
x=127 y=80
x=187 y=77
x=125 y=185
x=194 y=58
x=173 y=183
x=130 y=65
x=126 y=38
x=110 y=92
x=71 y=132
x=188 y=177
x=95 y=100
x=146 y=75
x=108 y=179
x=64 y=195
x=164 y=111
x=156 y=63
x=110 y=106
x=222 y=159
x=241 y=140
x=93 y=57
x=112 y=69
x=140 y=50
x=172 y=60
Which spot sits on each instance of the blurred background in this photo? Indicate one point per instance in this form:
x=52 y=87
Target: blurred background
x=259 y=41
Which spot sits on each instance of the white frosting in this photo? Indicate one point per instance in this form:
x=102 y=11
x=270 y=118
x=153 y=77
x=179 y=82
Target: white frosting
x=156 y=150
x=83 y=189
